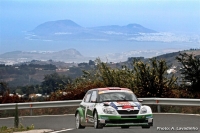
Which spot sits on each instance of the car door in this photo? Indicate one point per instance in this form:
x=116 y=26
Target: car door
x=85 y=104
x=91 y=107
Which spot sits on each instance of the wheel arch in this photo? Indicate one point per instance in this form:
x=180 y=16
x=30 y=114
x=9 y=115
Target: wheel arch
x=80 y=111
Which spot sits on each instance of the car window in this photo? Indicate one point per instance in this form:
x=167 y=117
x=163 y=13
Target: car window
x=87 y=97
x=117 y=96
x=94 y=96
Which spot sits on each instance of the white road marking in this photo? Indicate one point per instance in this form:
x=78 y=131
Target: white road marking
x=62 y=130
x=175 y=114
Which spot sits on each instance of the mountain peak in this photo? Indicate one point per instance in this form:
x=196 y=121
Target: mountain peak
x=71 y=51
x=138 y=28
x=66 y=22
x=134 y=26
x=56 y=26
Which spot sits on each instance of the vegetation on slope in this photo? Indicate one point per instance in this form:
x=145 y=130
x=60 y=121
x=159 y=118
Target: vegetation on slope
x=145 y=78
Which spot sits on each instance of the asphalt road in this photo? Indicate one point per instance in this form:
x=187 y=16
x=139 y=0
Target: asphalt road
x=173 y=123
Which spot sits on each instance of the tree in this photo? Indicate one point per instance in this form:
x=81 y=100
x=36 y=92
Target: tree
x=91 y=62
x=151 y=79
x=54 y=82
x=190 y=71
x=3 y=88
x=145 y=79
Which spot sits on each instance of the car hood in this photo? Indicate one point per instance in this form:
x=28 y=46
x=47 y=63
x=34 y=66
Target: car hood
x=123 y=105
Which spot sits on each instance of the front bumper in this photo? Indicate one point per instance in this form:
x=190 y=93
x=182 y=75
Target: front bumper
x=126 y=120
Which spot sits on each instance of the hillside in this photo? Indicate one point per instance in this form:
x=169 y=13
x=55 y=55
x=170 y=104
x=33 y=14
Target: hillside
x=33 y=72
x=68 y=55
x=170 y=58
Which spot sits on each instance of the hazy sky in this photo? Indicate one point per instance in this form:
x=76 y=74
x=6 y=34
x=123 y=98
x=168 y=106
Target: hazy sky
x=176 y=16
x=159 y=15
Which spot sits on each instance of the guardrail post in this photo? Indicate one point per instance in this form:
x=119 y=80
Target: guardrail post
x=158 y=106
x=31 y=110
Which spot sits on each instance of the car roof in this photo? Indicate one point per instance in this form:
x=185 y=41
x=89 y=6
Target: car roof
x=110 y=88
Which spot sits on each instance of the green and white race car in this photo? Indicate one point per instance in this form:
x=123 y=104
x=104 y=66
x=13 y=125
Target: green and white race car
x=112 y=106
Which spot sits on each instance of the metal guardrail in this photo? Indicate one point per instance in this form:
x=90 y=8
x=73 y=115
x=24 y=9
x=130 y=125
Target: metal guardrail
x=36 y=105
x=67 y=103
x=170 y=101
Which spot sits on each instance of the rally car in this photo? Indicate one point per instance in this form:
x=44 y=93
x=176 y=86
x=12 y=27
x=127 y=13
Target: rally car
x=112 y=106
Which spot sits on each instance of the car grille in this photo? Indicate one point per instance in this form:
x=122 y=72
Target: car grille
x=122 y=121
x=128 y=112
x=128 y=116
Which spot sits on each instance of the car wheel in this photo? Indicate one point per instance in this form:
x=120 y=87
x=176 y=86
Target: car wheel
x=96 y=122
x=146 y=127
x=124 y=127
x=78 y=122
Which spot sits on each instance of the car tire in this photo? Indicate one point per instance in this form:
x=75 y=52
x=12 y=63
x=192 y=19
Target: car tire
x=124 y=127
x=96 y=122
x=145 y=127
x=78 y=122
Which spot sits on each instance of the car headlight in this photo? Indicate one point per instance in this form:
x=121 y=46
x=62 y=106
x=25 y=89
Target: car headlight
x=109 y=110
x=143 y=110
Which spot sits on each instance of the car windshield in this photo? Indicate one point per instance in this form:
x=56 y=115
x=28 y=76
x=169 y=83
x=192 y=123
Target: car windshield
x=117 y=96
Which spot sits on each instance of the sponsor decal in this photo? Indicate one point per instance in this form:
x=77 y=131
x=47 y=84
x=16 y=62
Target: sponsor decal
x=124 y=103
x=129 y=91
x=100 y=92
x=149 y=117
x=86 y=119
x=128 y=107
x=138 y=105
x=108 y=91
x=113 y=105
x=86 y=113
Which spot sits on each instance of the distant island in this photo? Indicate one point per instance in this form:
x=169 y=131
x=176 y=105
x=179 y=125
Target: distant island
x=69 y=30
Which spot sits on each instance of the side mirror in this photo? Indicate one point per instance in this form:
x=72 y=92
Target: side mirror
x=93 y=101
x=140 y=100
x=105 y=104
